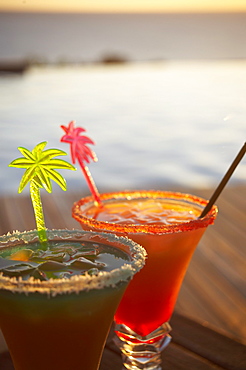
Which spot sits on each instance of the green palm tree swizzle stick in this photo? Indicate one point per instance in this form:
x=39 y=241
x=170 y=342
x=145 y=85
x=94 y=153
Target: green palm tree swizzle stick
x=40 y=170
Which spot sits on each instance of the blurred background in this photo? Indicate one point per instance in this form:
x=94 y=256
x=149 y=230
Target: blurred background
x=160 y=86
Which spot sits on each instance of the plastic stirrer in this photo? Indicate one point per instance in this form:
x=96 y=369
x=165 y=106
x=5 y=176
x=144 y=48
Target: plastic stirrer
x=81 y=152
x=224 y=181
x=40 y=170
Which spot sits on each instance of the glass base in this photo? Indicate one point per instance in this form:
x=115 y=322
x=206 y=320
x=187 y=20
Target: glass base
x=142 y=352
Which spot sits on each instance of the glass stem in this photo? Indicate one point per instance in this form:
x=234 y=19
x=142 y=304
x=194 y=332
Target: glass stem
x=142 y=353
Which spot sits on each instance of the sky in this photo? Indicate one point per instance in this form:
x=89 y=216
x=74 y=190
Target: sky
x=124 y=5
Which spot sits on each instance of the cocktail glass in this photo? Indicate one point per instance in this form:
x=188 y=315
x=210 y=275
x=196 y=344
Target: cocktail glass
x=62 y=323
x=142 y=319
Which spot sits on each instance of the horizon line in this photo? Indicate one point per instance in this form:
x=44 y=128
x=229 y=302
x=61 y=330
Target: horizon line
x=195 y=11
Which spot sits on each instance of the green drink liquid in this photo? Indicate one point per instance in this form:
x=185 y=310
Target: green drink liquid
x=60 y=260
x=57 y=304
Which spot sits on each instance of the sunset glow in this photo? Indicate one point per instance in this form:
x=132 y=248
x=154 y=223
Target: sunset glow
x=126 y=6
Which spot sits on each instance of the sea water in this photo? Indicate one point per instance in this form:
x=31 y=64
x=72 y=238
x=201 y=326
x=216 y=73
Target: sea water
x=154 y=125
x=174 y=115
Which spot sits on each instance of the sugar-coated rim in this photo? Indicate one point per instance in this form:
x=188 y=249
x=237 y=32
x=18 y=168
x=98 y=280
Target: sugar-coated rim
x=76 y=283
x=138 y=194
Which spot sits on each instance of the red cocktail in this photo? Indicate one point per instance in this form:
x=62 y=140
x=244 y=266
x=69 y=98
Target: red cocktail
x=167 y=224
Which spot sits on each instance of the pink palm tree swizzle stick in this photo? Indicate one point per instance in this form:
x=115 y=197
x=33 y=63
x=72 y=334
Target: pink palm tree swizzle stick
x=81 y=152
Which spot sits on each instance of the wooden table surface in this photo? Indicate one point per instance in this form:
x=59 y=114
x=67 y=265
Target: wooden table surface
x=213 y=293
x=193 y=347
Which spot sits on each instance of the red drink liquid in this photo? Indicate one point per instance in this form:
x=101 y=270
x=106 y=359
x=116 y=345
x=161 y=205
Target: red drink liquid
x=168 y=227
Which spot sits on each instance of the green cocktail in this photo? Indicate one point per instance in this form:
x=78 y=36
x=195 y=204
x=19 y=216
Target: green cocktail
x=57 y=300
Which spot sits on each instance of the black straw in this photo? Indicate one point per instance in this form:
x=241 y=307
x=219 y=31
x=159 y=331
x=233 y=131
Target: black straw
x=224 y=181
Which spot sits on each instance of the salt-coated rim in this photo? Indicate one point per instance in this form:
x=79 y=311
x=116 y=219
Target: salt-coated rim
x=76 y=283
x=153 y=228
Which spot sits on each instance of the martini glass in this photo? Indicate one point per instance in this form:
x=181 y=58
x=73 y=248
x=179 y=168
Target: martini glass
x=142 y=319
x=57 y=301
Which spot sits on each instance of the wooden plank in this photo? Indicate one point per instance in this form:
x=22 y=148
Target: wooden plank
x=54 y=219
x=193 y=346
x=217 y=273
x=110 y=360
x=234 y=213
x=4 y=223
x=227 y=261
x=64 y=207
x=223 y=306
x=174 y=357
x=236 y=195
x=12 y=215
x=18 y=213
x=216 y=276
x=190 y=304
x=209 y=344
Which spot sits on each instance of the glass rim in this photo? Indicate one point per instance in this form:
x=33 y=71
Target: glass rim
x=145 y=228
x=76 y=283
